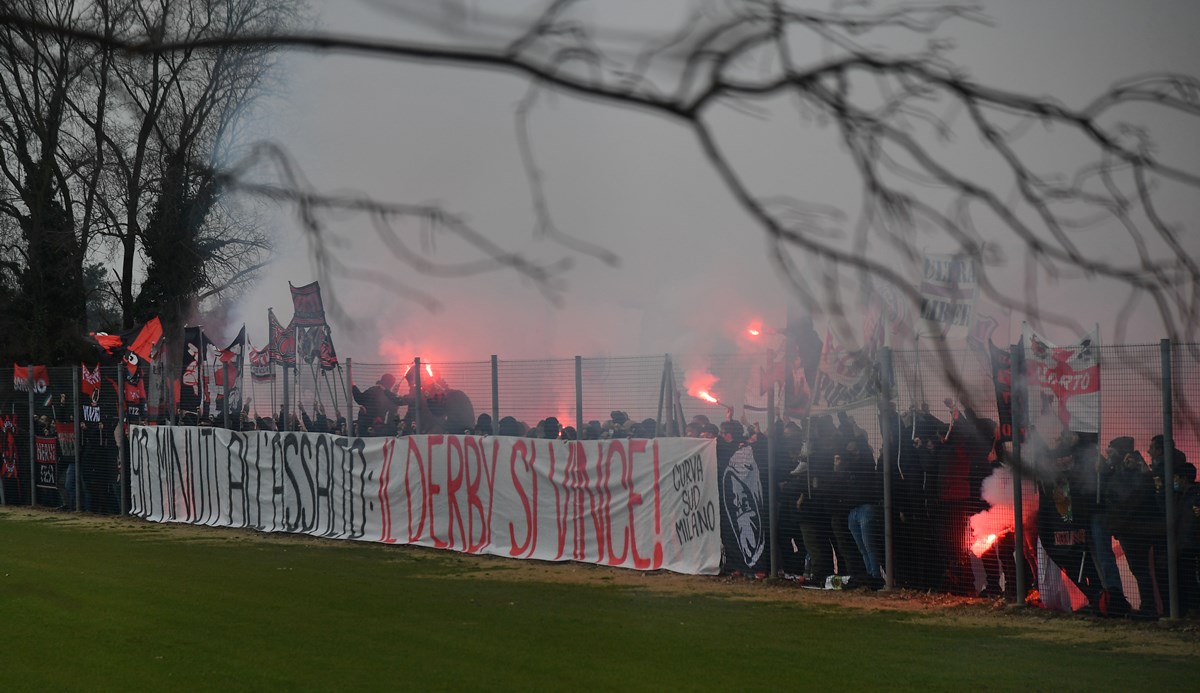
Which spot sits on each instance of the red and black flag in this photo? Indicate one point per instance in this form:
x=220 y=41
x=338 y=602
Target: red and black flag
x=282 y=343
x=89 y=381
x=191 y=392
x=135 y=345
x=233 y=355
x=41 y=381
x=328 y=355
x=307 y=308
x=41 y=378
x=261 y=368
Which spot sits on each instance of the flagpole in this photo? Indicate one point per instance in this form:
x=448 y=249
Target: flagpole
x=244 y=356
x=296 y=363
x=200 y=356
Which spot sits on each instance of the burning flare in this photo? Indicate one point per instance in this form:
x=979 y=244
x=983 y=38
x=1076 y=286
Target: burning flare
x=981 y=546
x=699 y=383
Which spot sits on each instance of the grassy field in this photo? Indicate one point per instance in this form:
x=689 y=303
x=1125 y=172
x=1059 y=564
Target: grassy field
x=105 y=603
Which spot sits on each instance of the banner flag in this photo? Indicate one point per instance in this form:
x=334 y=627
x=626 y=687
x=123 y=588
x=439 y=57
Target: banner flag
x=41 y=379
x=327 y=355
x=641 y=504
x=949 y=287
x=89 y=381
x=1002 y=377
x=307 y=308
x=234 y=355
x=310 y=341
x=45 y=450
x=281 y=344
x=845 y=377
x=191 y=391
x=66 y=438
x=1064 y=383
x=261 y=368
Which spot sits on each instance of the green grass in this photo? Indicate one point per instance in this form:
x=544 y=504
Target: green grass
x=140 y=606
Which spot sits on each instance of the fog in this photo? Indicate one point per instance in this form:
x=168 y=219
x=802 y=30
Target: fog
x=693 y=267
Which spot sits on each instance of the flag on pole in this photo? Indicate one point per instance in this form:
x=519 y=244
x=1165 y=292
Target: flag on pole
x=191 y=392
x=233 y=357
x=307 y=307
x=949 y=287
x=282 y=343
x=1064 y=382
x=261 y=368
x=135 y=346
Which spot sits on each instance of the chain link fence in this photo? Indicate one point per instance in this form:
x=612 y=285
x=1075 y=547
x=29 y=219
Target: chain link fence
x=918 y=496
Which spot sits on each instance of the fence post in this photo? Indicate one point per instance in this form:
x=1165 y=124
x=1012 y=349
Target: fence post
x=77 y=417
x=495 y=395
x=351 y=419
x=420 y=394
x=1017 y=404
x=578 y=395
x=122 y=457
x=666 y=422
x=890 y=433
x=225 y=399
x=772 y=492
x=32 y=434
x=286 y=409
x=1168 y=477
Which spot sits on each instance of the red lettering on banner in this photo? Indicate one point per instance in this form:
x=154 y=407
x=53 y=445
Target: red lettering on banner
x=574 y=450
x=490 y=471
x=414 y=450
x=454 y=482
x=658 y=549
x=635 y=499
x=583 y=485
x=474 y=502
x=434 y=489
x=385 y=502
x=559 y=521
x=530 y=543
x=606 y=489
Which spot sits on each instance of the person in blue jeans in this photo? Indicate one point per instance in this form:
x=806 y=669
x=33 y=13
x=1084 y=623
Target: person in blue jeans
x=864 y=525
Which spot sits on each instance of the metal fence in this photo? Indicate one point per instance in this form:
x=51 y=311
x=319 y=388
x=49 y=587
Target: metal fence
x=928 y=502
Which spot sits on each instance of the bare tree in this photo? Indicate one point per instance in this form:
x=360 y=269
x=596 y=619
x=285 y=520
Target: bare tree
x=104 y=151
x=38 y=162
x=890 y=109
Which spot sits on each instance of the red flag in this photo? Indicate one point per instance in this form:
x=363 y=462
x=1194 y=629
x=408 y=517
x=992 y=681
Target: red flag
x=90 y=380
x=41 y=379
x=135 y=345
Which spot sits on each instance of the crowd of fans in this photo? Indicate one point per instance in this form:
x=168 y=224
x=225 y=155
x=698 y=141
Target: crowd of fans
x=831 y=490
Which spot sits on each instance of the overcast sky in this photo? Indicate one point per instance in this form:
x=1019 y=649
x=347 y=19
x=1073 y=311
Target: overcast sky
x=694 y=269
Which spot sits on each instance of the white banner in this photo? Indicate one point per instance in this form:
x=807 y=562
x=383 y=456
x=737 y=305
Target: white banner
x=1063 y=382
x=642 y=504
x=949 y=288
